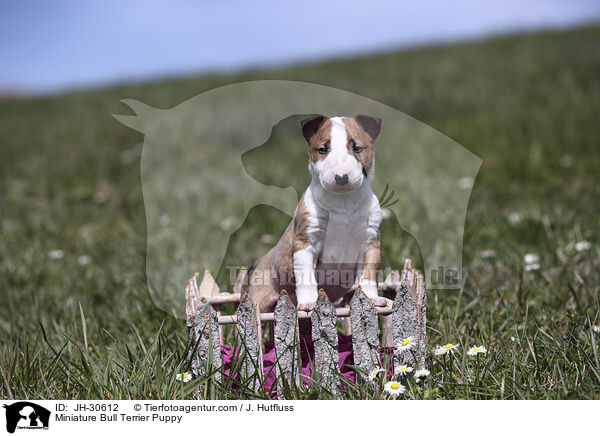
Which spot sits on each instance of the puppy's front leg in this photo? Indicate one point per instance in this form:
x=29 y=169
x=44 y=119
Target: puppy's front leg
x=369 y=269
x=371 y=258
x=304 y=272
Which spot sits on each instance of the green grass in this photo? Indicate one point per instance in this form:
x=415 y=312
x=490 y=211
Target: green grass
x=527 y=105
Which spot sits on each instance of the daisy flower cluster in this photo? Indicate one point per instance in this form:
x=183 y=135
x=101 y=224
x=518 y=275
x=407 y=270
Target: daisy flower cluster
x=394 y=388
x=474 y=351
x=451 y=348
x=375 y=372
x=446 y=349
x=532 y=262
x=405 y=344
x=403 y=370
x=583 y=246
x=419 y=373
x=184 y=377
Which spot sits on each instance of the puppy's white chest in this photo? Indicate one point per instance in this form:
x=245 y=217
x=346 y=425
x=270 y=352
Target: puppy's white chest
x=341 y=226
x=345 y=238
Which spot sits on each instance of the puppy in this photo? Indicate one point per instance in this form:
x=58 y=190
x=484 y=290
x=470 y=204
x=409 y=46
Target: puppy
x=333 y=240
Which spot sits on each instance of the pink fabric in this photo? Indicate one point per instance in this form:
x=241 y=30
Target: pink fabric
x=307 y=354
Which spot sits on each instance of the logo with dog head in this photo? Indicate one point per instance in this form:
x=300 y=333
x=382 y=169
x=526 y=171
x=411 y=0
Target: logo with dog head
x=26 y=415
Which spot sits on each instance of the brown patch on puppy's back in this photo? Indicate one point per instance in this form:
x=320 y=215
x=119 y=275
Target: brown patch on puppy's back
x=300 y=227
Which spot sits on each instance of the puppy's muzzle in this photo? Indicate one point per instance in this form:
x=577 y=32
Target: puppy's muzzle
x=341 y=180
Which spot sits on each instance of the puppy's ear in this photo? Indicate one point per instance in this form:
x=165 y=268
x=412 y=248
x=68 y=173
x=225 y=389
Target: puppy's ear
x=311 y=125
x=371 y=125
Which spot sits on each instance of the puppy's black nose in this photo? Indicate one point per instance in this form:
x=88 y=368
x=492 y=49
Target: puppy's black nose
x=341 y=180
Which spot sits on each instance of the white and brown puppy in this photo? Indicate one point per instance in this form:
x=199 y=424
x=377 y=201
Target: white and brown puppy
x=333 y=239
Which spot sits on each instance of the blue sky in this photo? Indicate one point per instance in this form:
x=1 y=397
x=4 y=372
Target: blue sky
x=48 y=46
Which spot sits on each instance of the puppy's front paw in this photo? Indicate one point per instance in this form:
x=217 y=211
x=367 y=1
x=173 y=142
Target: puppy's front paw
x=381 y=302
x=307 y=307
x=370 y=290
x=307 y=298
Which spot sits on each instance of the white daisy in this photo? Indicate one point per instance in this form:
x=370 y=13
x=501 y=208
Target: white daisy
x=228 y=222
x=514 y=218
x=488 y=254
x=444 y=349
x=596 y=328
x=465 y=182
x=267 y=239
x=421 y=373
x=532 y=267
x=56 y=254
x=374 y=372
x=84 y=260
x=477 y=350
x=184 y=377
x=406 y=344
x=100 y=196
x=566 y=161
x=403 y=370
x=531 y=258
x=583 y=245
x=394 y=388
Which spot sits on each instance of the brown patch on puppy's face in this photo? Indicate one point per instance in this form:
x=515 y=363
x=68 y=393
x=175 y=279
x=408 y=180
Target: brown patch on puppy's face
x=317 y=132
x=360 y=143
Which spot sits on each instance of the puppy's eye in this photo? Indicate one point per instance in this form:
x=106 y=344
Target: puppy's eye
x=356 y=148
x=324 y=148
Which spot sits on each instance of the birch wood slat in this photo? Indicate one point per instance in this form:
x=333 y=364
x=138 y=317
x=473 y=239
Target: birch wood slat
x=250 y=342
x=205 y=341
x=409 y=318
x=287 y=352
x=208 y=289
x=325 y=340
x=365 y=332
x=390 y=288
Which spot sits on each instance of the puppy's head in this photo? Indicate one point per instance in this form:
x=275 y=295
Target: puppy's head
x=341 y=150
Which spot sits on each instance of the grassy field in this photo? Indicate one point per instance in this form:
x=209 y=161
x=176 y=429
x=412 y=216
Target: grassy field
x=79 y=323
